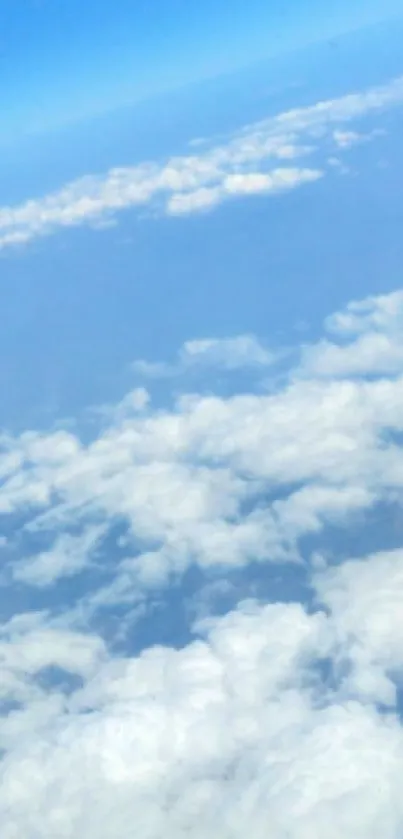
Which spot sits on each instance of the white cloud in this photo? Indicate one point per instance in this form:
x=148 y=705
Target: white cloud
x=374 y=332
x=347 y=139
x=381 y=312
x=28 y=645
x=225 y=736
x=247 y=163
x=231 y=353
x=251 y=183
x=274 y=181
x=67 y=557
x=282 y=715
x=136 y=401
x=371 y=353
x=206 y=354
x=191 y=483
x=365 y=598
x=182 y=203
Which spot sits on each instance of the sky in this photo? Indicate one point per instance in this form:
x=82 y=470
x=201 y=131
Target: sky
x=62 y=60
x=201 y=422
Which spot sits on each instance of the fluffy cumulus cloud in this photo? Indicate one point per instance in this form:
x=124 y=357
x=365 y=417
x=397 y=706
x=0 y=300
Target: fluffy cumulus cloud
x=267 y=157
x=235 y=732
x=369 y=340
x=280 y=716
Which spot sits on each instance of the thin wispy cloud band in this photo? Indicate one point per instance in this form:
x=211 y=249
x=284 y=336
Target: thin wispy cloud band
x=259 y=159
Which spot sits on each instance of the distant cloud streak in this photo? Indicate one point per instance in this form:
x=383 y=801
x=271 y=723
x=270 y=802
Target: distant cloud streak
x=255 y=160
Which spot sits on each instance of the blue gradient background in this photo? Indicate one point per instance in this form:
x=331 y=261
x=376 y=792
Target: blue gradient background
x=63 y=60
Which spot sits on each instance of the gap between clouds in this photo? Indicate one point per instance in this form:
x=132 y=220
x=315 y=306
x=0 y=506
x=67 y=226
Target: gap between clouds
x=247 y=164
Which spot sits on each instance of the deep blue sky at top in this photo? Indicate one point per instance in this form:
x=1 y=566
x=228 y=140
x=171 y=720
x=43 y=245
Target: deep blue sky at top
x=62 y=60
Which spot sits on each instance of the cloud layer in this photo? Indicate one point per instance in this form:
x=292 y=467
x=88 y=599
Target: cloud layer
x=324 y=446
x=259 y=159
x=279 y=717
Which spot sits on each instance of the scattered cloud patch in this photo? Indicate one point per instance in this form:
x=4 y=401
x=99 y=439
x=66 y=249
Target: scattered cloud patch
x=209 y=354
x=231 y=353
x=347 y=139
x=370 y=340
x=67 y=557
x=251 y=183
x=182 y=203
x=245 y=164
x=217 y=481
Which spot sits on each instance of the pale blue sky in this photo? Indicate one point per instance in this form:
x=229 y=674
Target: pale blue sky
x=96 y=299
x=64 y=59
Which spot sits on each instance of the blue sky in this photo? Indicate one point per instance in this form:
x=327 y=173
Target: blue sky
x=201 y=461
x=63 y=61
